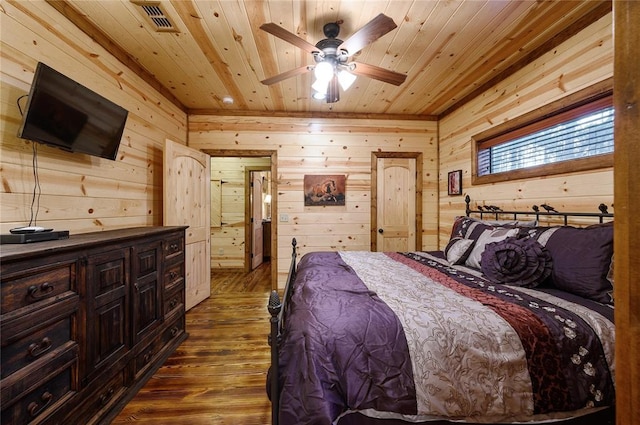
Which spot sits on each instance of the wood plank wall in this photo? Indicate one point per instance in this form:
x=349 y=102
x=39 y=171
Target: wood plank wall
x=80 y=193
x=325 y=146
x=228 y=241
x=581 y=61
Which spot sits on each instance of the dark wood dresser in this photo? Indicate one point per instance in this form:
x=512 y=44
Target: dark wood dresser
x=86 y=321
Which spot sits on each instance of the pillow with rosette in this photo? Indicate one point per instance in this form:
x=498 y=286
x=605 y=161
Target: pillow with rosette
x=518 y=262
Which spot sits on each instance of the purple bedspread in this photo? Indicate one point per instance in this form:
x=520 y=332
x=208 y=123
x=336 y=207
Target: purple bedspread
x=344 y=349
x=351 y=351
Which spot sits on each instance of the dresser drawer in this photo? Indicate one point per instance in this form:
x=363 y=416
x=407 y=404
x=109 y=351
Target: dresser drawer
x=146 y=356
x=173 y=301
x=174 y=275
x=14 y=327
x=37 y=285
x=32 y=347
x=174 y=329
x=26 y=399
x=99 y=400
x=174 y=246
x=41 y=401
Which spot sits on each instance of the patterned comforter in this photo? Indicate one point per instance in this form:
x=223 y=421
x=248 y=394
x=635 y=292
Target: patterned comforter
x=405 y=335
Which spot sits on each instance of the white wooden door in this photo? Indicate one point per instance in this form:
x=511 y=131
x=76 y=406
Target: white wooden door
x=187 y=201
x=256 y=219
x=396 y=204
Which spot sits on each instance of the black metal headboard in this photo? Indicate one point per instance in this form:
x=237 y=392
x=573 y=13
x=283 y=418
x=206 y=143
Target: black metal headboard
x=494 y=212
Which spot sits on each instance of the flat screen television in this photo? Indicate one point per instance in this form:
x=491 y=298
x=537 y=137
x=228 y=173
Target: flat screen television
x=63 y=113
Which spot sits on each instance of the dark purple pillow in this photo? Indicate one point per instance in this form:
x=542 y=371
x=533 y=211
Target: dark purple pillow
x=581 y=261
x=519 y=262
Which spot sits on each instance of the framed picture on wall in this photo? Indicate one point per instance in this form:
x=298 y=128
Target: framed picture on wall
x=324 y=190
x=454 y=182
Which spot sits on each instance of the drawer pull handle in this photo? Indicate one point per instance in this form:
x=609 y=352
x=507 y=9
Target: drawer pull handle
x=174 y=331
x=35 y=409
x=45 y=289
x=173 y=247
x=147 y=357
x=172 y=275
x=38 y=349
x=104 y=398
x=173 y=304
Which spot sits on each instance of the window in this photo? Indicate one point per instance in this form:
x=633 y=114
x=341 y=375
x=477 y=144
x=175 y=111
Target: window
x=573 y=138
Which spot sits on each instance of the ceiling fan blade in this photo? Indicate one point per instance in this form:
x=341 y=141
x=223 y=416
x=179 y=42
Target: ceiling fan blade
x=373 y=30
x=290 y=37
x=333 y=91
x=285 y=75
x=378 y=73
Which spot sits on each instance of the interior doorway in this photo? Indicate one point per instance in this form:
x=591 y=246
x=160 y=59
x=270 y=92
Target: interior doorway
x=231 y=236
x=258 y=215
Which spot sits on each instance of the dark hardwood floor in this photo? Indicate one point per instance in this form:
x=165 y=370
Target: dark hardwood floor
x=217 y=376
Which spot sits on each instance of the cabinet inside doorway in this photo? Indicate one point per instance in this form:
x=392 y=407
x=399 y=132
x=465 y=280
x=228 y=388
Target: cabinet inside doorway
x=266 y=239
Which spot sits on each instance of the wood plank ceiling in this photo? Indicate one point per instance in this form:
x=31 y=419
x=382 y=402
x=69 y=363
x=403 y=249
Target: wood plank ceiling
x=449 y=50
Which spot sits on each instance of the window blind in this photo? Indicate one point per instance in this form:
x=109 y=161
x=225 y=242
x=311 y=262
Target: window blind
x=563 y=137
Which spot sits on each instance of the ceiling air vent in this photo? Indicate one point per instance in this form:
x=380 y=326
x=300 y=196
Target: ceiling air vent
x=156 y=16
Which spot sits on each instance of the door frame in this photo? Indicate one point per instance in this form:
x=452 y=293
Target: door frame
x=273 y=154
x=248 y=230
x=374 y=193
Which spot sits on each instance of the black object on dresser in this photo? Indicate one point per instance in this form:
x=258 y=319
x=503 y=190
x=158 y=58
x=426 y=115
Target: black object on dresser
x=86 y=321
x=34 y=237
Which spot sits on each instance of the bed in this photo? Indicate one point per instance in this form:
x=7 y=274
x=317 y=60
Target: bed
x=512 y=322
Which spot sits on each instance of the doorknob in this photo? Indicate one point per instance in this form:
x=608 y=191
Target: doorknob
x=381 y=231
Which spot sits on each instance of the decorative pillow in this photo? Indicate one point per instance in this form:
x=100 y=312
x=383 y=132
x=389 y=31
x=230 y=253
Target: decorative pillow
x=541 y=234
x=610 y=273
x=466 y=227
x=469 y=228
x=458 y=249
x=487 y=236
x=519 y=262
x=459 y=227
x=582 y=259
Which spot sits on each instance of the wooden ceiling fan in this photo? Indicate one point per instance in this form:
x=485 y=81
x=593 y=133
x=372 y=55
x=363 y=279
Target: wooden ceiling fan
x=333 y=67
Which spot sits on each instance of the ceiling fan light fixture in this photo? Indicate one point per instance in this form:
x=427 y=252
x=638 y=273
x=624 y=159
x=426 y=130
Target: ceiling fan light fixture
x=333 y=70
x=319 y=96
x=321 y=87
x=324 y=71
x=346 y=79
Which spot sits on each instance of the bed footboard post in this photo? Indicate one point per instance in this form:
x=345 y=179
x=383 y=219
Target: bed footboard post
x=274 y=309
x=277 y=309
